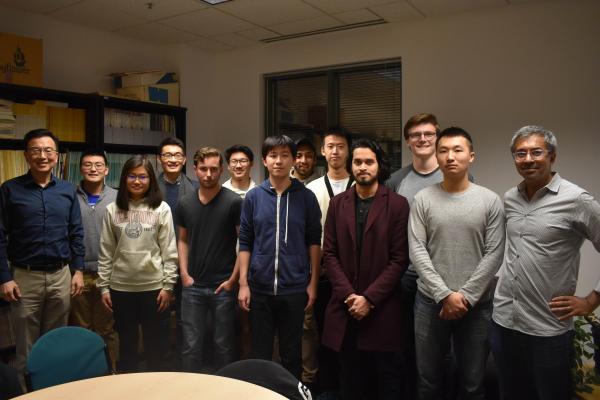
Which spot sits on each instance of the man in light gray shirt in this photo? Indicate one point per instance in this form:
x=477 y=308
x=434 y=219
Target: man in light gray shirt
x=456 y=243
x=547 y=220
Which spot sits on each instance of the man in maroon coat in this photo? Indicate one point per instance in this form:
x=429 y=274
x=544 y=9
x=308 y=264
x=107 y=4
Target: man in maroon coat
x=365 y=252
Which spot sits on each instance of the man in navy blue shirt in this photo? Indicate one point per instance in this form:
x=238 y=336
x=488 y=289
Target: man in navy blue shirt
x=41 y=220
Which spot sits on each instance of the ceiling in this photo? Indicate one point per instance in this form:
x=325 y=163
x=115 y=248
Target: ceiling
x=239 y=23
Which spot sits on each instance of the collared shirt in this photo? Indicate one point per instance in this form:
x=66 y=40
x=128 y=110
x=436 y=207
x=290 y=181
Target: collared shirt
x=544 y=236
x=42 y=224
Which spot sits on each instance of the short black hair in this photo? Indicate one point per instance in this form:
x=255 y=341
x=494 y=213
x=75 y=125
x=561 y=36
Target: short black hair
x=338 y=131
x=93 y=152
x=153 y=196
x=239 y=148
x=454 y=131
x=39 y=133
x=304 y=141
x=278 y=141
x=171 y=141
x=383 y=172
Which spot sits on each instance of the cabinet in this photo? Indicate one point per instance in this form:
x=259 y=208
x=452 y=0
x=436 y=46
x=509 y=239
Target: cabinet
x=121 y=127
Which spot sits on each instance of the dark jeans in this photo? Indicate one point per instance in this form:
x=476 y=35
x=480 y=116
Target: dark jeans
x=283 y=314
x=364 y=372
x=129 y=310
x=198 y=303
x=469 y=336
x=533 y=367
x=408 y=288
x=329 y=370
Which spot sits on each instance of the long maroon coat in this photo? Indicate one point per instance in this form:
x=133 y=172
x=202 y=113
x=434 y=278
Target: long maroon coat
x=384 y=258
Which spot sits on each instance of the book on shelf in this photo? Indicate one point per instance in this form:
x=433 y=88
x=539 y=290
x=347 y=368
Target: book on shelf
x=129 y=127
x=13 y=164
x=7 y=120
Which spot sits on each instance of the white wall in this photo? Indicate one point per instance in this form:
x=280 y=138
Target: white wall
x=80 y=59
x=489 y=72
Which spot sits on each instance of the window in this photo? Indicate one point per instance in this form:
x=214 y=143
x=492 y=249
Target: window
x=364 y=99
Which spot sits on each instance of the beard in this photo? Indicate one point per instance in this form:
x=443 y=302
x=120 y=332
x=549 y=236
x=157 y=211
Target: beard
x=365 y=180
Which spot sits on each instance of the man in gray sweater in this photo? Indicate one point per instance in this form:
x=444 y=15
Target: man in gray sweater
x=87 y=310
x=456 y=243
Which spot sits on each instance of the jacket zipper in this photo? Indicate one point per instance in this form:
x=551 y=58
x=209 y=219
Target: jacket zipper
x=276 y=245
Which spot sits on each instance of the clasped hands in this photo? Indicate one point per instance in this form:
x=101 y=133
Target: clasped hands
x=358 y=306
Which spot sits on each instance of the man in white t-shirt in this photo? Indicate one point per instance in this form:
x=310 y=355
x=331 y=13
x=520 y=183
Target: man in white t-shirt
x=239 y=163
x=335 y=149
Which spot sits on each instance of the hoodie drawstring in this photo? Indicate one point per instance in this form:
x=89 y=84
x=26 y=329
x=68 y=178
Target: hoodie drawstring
x=287 y=207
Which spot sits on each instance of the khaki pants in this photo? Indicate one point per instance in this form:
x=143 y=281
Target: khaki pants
x=87 y=311
x=44 y=305
x=310 y=347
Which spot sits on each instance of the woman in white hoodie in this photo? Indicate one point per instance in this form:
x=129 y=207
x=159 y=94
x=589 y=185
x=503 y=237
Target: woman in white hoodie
x=137 y=265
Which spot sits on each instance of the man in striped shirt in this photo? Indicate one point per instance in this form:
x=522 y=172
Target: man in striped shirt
x=547 y=220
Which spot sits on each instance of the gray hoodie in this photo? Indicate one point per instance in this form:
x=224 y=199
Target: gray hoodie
x=91 y=218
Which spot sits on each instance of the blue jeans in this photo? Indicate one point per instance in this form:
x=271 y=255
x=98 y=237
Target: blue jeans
x=469 y=337
x=196 y=303
x=533 y=367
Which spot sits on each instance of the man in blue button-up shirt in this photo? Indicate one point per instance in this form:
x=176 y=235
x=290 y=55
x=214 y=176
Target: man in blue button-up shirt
x=41 y=220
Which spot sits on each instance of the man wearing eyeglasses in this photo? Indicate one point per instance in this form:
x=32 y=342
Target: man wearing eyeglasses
x=87 y=310
x=174 y=185
x=547 y=220
x=420 y=135
x=41 y=219
x=240 y=160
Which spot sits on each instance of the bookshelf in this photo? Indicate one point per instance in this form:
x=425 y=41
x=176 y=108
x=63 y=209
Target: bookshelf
x=121 y=127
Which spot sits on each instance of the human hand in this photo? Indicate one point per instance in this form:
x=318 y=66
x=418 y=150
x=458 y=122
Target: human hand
x=454 y=306
x=77 y=283
x=187 y=280
x=360 y=307
x=10 y=291
x=244 y=297
x=107 y=301
x=226 y=286
x=163 y=300
x=311 y=291
x=565 y=307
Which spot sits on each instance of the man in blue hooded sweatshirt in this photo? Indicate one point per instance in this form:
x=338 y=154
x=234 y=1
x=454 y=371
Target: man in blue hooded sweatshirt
x=280 y=238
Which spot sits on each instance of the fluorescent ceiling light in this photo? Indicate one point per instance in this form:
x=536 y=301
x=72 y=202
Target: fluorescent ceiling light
x=213 y=2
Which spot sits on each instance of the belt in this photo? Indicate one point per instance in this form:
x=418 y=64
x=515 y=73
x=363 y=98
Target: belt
x=44 y=267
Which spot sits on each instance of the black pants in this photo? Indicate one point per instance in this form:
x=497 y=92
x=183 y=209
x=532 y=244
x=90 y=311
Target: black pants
x=283 y=314
x=329 y=370
x=131 y=309
x=368 y=374
x=409 y=365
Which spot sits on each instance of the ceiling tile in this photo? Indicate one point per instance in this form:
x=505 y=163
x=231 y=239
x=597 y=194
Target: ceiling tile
x=308 y=25
x=442 y=7
x=235 y=40
x=258 y=33
x=397 y=12
x=338 y=6
x=208 y=22
x=94 y=14
x=155 y=32
x=210 y=45
x=356 y=16
x=270 y=12
x=37 y=6
x=160 y=8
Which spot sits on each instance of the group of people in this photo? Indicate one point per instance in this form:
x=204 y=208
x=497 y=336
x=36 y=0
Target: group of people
x=367 y=281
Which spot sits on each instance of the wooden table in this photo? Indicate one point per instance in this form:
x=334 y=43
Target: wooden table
x=155 y=386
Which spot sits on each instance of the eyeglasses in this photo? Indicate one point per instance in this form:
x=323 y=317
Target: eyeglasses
x=241 y=161
x=36 y=151
x=134 y=177
x=168 y=156
x=536 y=154
x=418 y=135
x=89 y=165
